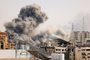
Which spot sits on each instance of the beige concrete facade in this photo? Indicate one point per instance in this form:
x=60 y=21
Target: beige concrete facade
x=82 y=53
x=60 y=49
x=14 y=59
x=79 y=36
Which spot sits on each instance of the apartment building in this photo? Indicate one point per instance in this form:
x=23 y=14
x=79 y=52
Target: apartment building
x=79 y=37
x=82 y=53
x=60 y=50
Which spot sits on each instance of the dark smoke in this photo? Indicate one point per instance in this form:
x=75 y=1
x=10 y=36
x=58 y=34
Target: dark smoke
x=28 y=19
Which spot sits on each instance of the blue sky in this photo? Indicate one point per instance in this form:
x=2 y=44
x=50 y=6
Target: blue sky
x=61 y=13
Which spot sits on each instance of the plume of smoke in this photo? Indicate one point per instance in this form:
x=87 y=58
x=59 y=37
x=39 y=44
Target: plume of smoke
x=28 y=19
x=49 y=34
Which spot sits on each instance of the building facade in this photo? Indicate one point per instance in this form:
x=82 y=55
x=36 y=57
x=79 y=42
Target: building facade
x=4 y=41
x=60 y=50
x=4 y=44
x=82 y=53
x=79 y=37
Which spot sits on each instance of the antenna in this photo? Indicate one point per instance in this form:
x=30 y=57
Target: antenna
x=72 y=27
x=83 y=26
x=83 y=29
x=73 y=41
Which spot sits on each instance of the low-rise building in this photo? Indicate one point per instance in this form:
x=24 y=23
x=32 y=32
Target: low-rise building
x=60 y=50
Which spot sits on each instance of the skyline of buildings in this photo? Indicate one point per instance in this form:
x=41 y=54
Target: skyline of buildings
x=60 y=47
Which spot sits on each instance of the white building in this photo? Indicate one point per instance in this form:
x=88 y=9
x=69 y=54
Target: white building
x=56 y=56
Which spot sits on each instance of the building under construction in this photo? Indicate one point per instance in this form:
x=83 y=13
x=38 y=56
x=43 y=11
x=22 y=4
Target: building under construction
x=4 y=41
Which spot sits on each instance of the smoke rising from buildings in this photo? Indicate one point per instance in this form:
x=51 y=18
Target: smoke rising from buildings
x=49 y=34
x=28 y=19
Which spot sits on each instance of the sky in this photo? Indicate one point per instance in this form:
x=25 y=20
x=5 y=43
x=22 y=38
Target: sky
x=61 y=13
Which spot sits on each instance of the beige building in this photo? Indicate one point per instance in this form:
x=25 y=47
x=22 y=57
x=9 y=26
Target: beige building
x=79 y=39
x=79 y=36
x=60 y=50
x=64 y=51
x=82 y=53
x=4 y=44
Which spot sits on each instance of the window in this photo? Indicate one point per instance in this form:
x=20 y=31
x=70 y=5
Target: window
x=88 y=56
x=87 y=49
x=83 y=54
x=72 y=50
x=62 y=49
x=56 y=49
x=1 y=45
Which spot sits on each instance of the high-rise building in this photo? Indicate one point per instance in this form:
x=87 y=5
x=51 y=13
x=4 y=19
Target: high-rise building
x=79 y=37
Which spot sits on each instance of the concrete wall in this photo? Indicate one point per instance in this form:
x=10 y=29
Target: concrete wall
x=57 y=56
x=82 y=53
x=12 y=54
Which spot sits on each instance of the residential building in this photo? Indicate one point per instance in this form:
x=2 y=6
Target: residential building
x=82 y=53
x=79 y=37
x=60 y=50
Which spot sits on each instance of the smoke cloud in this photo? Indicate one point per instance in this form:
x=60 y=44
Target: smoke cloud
x=48 y=34
x=28 y=19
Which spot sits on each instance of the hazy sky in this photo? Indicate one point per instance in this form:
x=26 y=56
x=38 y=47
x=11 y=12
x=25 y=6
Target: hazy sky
x=60 y=12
